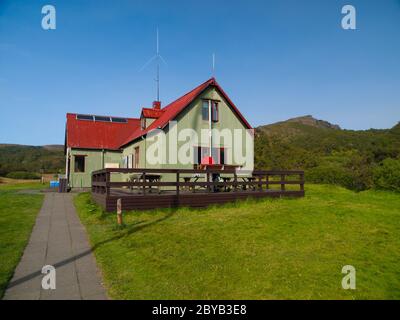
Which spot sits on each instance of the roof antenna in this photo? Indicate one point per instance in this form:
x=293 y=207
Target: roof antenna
x=157 y=57
x=158 y=69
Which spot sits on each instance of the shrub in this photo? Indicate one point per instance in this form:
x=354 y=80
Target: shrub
x=357 y=178
x=22 y=175
x=387 y=175
x=329 y=174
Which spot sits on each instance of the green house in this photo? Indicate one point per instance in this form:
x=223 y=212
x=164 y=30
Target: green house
x=203 y=125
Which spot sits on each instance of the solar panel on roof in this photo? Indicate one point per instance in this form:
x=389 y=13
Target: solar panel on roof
x=120 y=120
x=100 y=118
x=84 y=117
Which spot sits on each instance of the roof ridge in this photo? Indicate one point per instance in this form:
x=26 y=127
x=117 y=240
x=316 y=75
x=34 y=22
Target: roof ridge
x=146 y=108
x=212 y=79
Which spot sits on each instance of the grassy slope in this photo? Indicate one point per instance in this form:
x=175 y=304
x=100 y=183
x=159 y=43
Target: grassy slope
x=17 y=216
x=269 y=249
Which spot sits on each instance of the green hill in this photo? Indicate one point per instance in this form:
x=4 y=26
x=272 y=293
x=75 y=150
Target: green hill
x=327 y=153
x=15 y=158
x=357 y=160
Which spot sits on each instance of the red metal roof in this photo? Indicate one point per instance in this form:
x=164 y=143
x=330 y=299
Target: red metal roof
x=173 y=109
x=112 y=136
x=86 y=134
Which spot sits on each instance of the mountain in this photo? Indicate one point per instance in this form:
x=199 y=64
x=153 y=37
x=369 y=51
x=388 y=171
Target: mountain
x=325 y=151
x=54 y=147
x=311 y=121
x=396 y=129
x=14 y=157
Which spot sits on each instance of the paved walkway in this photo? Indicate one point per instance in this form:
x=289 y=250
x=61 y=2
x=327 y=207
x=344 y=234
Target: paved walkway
x=58 y=239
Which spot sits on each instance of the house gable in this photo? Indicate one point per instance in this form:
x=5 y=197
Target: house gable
x=171 y=111
x=191 y=116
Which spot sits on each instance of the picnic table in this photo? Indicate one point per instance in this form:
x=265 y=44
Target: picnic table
x=216 y=177
x=248 y=179
x=226 y=179
x=149 y=178
x=189 y=179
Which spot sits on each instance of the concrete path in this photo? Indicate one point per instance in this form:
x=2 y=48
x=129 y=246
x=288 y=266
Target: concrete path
x=58 y=239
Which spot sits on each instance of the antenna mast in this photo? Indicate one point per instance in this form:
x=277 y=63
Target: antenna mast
x=213 y=64
x=159 y=58
x=158 y=69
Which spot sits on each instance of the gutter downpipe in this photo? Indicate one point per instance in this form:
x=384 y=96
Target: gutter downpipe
x=66 y=165
x=145 y=162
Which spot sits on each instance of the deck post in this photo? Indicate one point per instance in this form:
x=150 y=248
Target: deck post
x=260 y=183
x=144 y=182
x=93 y=187
x=267 y=182
x=104 y=179
x=282 y=182
x=177 y=184
x=108 y=178
x=302 y=182
x=119 y=211
x=208 y=182
x=235 y=181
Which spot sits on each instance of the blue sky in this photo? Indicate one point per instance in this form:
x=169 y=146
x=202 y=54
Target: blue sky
x=276 y=60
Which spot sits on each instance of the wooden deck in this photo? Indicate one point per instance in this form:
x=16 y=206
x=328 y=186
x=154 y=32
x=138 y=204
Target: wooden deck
x=143 y=193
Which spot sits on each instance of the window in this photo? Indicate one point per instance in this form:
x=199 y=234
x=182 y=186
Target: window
x=201 y=153
x=84 y=117
x=143 y=123
x=79 y=163
x=204 y=110
x=100 y=118
x=214 y=111
x=222 y=155
x=103 y=119
x=218 y=154
x=111 y=165
x=130 y=161
x=136 y=164
x=125 y=162
x=119 y=120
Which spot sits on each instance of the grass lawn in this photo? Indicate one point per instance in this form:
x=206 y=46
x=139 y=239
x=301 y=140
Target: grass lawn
x=267 y=249
x=17 y=216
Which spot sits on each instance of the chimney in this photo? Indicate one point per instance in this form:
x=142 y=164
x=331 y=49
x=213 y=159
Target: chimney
x=157 y=105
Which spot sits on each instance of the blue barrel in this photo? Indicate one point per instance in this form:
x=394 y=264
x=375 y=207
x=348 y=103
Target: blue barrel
x=54 y=184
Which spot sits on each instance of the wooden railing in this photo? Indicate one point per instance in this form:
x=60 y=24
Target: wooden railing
x=260 y=181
